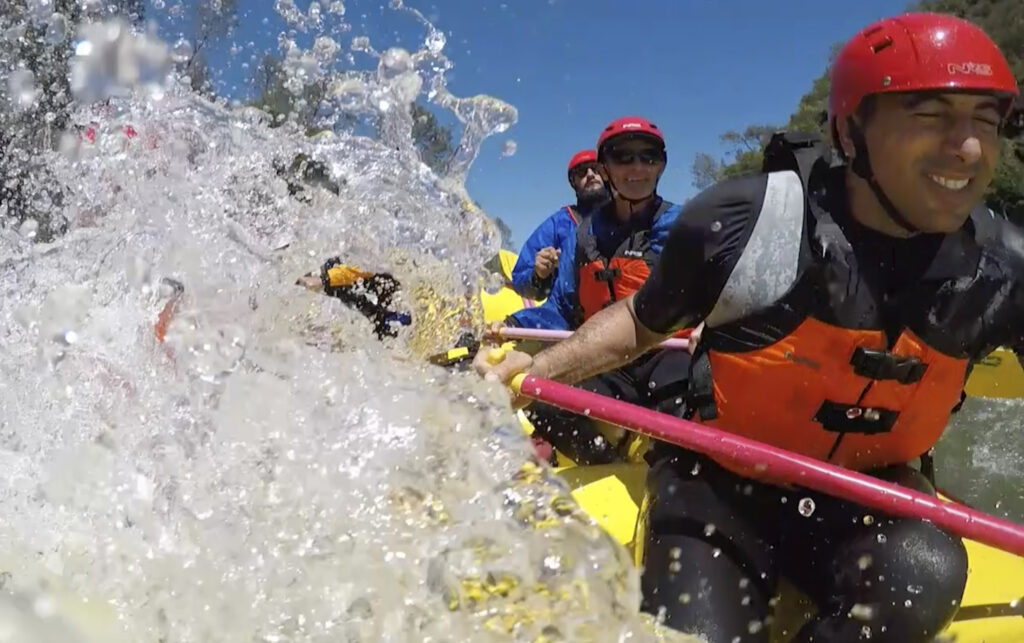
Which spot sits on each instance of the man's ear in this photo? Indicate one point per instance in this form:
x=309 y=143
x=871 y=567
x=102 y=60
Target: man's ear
x=844 y=138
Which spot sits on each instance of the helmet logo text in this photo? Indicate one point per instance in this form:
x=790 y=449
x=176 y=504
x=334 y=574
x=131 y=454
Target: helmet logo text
x=969 y=69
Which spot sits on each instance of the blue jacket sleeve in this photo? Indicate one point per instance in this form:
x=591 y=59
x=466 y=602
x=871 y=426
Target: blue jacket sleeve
x=557 y=231
x=559 y=312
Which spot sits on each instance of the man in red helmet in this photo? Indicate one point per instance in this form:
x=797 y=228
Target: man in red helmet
x=534 y=272
x=612 y=253
x=844 y=305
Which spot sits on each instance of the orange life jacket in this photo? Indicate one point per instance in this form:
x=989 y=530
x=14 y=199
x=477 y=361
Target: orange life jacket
x=601 y=281
x=774 y=371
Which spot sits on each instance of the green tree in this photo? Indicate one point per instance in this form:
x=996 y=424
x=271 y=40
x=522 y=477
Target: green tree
x=275 y=95
x=213 y=19
x=745 y=156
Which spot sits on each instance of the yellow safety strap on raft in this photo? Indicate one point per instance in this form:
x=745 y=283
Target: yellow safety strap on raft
x=342 y=275
x=457 y=353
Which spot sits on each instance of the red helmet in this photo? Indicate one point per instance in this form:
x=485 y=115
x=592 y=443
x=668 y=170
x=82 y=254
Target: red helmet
x=579 y=158
x=917 y=52
x=630 y=126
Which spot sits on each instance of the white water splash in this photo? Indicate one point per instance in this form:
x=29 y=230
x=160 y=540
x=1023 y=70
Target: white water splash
x=270 y=472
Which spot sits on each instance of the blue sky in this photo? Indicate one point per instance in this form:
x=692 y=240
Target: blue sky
x=695 y=67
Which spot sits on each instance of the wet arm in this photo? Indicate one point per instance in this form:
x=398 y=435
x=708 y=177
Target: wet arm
x=609 y=339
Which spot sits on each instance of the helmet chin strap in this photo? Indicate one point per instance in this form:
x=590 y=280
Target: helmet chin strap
x=861 y=166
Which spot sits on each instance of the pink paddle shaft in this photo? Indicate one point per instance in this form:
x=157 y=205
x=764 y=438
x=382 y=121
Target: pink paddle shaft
x=784 y=465
x=544 y=335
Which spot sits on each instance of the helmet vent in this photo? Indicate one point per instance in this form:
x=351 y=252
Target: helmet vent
x=879 y=46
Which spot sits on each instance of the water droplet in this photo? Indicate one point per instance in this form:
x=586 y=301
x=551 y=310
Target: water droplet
x=753 y=627
x=716 y=552
x=805 y=507
x=57 y=29
x=745 y=601
x=21 y=85
x=1014 y=603
x=696 y=469
x=684 y=598
x=869 y=519
x=675 y=553
x=509 y=149
x=70 y=337
x=337 y=8
x=29 y=228
x=864 y=561
x=908 y=603
x=862 y=612
x=744 y=582
x=709 y=529
x=181 y=51
x=865 y=632
x=435 y=42
x=493 y=283
x=716 y=226
x=675 y=567
x=361 y=43
x=44 y=606
x=784 y=500
x=881 y=538
x=915 y=589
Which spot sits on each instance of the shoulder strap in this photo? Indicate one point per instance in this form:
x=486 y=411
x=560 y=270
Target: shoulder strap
x=800 y=152
x=807 y=155
x=663 y=207
x=586 y=241
x=572 y=215
x=770 y=261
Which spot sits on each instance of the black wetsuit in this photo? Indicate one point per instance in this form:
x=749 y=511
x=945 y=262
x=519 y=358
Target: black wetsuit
x=718 y=542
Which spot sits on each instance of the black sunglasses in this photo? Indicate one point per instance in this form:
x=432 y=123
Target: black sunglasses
x=580 y=171
x=649 y=156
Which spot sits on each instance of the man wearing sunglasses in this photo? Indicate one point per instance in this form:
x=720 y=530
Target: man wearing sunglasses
x=613 y=251
x=843 y=305
x=534 y=272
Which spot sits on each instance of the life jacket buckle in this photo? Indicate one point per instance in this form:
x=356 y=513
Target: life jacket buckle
x=883 y=365
x=607 y=274
x=851 y=418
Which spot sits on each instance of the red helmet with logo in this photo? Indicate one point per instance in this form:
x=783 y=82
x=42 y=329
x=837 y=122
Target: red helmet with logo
x=917 y=52
x=630 y=127
x=581 y=157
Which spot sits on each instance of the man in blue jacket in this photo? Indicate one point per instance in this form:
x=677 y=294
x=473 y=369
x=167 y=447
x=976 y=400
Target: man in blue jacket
x=534 y=273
